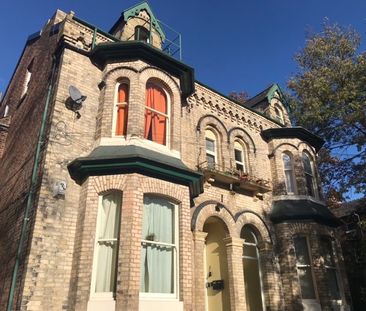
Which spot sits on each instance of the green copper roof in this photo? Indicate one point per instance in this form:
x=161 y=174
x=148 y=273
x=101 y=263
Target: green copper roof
x=135 y=10
x=111 y=160
x=300 y=210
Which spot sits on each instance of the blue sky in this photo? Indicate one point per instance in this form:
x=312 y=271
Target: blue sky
x=233 y=45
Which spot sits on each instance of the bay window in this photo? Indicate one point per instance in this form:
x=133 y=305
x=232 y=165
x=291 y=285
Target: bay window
x=159 y=253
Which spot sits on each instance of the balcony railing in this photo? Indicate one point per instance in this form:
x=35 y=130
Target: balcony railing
x=236 y=178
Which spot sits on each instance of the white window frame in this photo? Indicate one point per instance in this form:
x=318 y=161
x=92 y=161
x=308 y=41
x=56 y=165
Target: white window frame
x=238 y=145
x=210 y=135
x=278 y=114
x=306 y=301
x=117 y=104
x=93 y=294
x=292 y=171
x=167 y=115
x=175 y=246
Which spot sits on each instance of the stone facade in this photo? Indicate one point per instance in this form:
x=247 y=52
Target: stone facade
x=80 y=150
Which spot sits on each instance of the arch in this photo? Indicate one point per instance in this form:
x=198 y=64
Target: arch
x=239 y=132
x=213 y=208
x=210 y=119
x=105 y=183
x=284 y=144
x=247 y=217
x=119 y=71
x=149 y=72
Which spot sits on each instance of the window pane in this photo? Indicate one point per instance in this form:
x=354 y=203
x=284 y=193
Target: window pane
x=332 y=281
x=327 y=252
x=238 y=155
x=106 y=270
x=301 y=249
x=157 y=269
x=252 y=284
x=210 y=161
x=306 y=283
x=210 y=145
x=307 y=164
x=109 y=215
x=290 y=181
x=287 y=161
x=157 y=261
x=309 y=184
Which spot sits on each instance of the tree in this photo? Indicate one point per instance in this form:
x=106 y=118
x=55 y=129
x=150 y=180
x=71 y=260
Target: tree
x=241 y=97
x=328 y=96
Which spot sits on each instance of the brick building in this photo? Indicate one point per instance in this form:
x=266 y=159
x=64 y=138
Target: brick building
x=128 y=185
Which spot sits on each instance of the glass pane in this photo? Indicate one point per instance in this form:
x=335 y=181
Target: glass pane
x=109 y=216
x=331 y=275
x=158 y=220
x=210 y=145
x=301 y=249
x=306 y=283
x=238 y=155
x=287 y=161
x=248 y=235
x=157 y=269
x=210 y=161
x=106 y=270
x=327 y=251
x=250 y=251
x=307 y=164
x=239 y=167
x=309 y=184
x=253 y=291
x=290 y=181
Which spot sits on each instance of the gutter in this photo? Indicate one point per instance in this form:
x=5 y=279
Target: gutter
x=34 y=182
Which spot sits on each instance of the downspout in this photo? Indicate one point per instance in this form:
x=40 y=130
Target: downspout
x=31 y=195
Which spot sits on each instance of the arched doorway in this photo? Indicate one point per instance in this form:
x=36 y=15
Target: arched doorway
x=252 y=270
x=216 y=267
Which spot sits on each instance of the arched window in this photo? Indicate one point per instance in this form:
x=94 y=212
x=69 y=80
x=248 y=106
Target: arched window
x=142 y=34
x=278 y=114
x=309 y=174
x=252 y=271
x=240 y=157
x=211 y=148
x=156 y=114
x=122 y=109
x=106 y=245
x=288 y=167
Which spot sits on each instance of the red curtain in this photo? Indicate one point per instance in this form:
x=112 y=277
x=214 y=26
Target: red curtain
x=122 y=110
x=155 y=122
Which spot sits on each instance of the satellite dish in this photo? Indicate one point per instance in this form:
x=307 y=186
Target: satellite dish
x=75 y=101
x=76 y=95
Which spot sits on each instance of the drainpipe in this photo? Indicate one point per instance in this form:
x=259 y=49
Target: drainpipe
x=31 y=195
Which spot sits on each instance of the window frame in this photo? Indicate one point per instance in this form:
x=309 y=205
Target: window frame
x=211 y=136
x=116 y=105
x=27 y=78
x=309 y=266
x=291 y=173
x=334 y=268
x=310 y=174
x=104 y=295
x=244 y=153
x=137 y=34
x=176 y=254
x=258 y=258
x=279 y=114
x=166 y=115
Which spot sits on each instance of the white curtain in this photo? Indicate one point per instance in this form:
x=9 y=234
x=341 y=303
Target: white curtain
x=107 y=236
x=157 y=260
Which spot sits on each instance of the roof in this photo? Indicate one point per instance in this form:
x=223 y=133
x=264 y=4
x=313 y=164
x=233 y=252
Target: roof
x=303 y=209
x=134 y=11
x=267 y=95
x=111 y=160
x=293 y=132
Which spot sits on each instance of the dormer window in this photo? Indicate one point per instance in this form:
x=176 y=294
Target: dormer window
x=142 y=34
x=278 y=114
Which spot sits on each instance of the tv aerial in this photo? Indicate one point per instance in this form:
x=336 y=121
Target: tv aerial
x=75 y=101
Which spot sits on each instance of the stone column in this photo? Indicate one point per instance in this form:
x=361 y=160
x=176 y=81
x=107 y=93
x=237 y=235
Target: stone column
x=199 y=239
x=234 y=250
